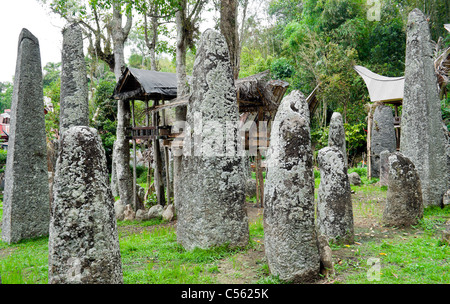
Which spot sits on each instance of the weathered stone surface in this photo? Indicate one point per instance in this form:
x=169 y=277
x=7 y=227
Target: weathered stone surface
x=354 y=179
x=404 y=204
x=74 y=106
x=168 y=213
x=446 y=199
x=384 y=167
x=383 y=136
x=447 y=152
x=326 y=255
x=334 y=206
x=155 y=212
x=83 y=240
x=250 y=187
x=211 y=200
x=446 y=233
x=119 y=209
x=129 y=214
x=297 y=102
x=141 y=215
x=290 y=239
x=422 y=139
x=336 y=134
x=26 y=210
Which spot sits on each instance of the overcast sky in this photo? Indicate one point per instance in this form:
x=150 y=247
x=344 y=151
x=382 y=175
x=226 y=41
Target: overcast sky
x=18 y=14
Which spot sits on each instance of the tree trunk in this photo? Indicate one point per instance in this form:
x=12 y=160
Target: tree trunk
x=229 y=29
x=121 y=152
x=182 y=89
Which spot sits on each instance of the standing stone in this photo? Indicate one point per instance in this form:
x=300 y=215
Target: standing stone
x=422 y=139
x=74 y=106
x=334 y=206
x=384 y=167
x=336 y=134
x=383 y=136
x=26 y=210
x=404 y=205
x=211 y=200
x=290 y=238
x=83 y=242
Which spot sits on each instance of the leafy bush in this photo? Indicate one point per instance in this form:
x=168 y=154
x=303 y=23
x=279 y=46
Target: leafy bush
x=3 y=154
x=281 y=68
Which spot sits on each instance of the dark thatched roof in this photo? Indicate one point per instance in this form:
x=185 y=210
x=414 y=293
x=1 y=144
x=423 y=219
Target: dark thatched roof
x=139 y=84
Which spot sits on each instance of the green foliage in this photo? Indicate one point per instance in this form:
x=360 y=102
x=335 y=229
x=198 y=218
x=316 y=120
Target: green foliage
x=3 y=155
x=6 y=91
x=52 y=90
x=281 y=68
x=104 y=116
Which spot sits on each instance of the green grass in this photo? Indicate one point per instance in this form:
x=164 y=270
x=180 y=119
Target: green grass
x=403 y=260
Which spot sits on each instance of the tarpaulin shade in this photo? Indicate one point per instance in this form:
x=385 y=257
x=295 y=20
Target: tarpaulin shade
x=140 y=84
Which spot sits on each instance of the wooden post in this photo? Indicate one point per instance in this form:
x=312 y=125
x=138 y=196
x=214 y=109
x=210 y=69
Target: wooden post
x=166 y=160
x=149 y=171
x=397 y=130
x=369 y=135
x=134 y=158
x=159 y=185
x=259 y=175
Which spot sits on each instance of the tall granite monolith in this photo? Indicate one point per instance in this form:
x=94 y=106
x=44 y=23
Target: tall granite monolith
x=290 y=238
x=383 y=136
x=422 y=139
x=26 y=210
x=83 y=238
x=74 y=106
x=334 y=201
x=211 y=199
x=336 y=134
x=404 y=204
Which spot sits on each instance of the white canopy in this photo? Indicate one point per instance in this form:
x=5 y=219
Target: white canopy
x=447 y=27
x=382 y=88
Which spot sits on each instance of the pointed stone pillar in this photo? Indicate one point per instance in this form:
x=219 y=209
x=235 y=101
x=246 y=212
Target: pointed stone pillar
x=422 y=139
x=211 y=194
x=74 y=106
x=26 y=210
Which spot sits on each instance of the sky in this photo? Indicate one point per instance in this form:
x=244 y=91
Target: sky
x=18 y=14
x=32 y=15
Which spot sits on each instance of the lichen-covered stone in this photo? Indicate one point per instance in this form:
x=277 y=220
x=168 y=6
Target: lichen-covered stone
x=383 y=136
x=404 y=204
x=336 y=134
x=422 y=139
x=334 y=205
x=26 y=210
x=290 y=239
x=354 y=179
x=384 y=167
x=211 y=199
x=74 y=108
x=83 y=240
